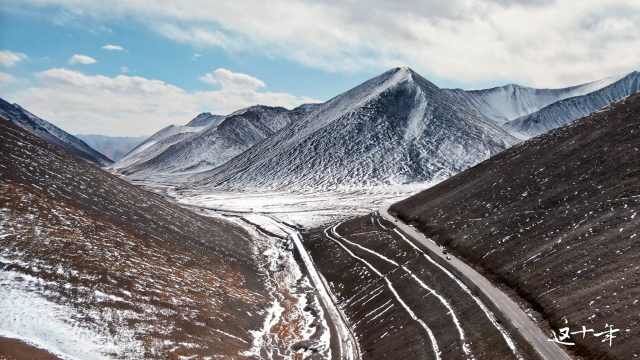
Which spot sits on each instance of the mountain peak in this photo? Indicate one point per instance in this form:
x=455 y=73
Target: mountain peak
x=403 y=71
x=404 y=68
x=204 y=119
x=346 y=141
x=398 y=75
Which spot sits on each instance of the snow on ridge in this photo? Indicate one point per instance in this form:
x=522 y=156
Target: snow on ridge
x=182 y=150
x=441 y=133
x=567 y=110
x=508 y=102
x=45 y=130
x=156 y=143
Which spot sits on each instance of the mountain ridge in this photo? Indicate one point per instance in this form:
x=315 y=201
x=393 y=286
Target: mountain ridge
x=21 y=117
x=564 y=111
x=114 y=147
x=187 y=149
x=196 y=158
x=508 y=102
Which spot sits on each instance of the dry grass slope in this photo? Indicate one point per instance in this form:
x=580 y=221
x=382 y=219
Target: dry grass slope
x=133 y=267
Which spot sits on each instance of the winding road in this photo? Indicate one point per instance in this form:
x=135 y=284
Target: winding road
x=508 y=308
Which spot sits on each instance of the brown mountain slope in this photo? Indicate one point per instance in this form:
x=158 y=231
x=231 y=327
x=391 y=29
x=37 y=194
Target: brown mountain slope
x=555 y=219
x=91 y=264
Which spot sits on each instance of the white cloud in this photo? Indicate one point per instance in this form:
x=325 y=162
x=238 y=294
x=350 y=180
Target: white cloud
x=229 y=80
x=133 y=105
x=198 y=36
x=539 y=42
x=10 y=58
x=6 y=78
x=112 y=47
x=82 y=59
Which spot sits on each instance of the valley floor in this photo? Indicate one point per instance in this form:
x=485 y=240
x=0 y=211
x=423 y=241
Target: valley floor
x=386 y=298
x=300 y=209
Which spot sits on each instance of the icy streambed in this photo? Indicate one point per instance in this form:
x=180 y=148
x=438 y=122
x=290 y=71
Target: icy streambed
x=347 y=346
x=295 y=325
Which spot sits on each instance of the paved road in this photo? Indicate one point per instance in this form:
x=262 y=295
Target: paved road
x=521 y=322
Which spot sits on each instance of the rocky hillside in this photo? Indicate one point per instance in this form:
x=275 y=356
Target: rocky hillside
x=554 y=218
x=93 y=267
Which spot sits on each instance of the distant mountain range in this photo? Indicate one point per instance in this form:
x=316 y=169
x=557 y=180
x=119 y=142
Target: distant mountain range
x=205 y=142
x=396 y=128
x=51 y=133
x=566 y=110
x=400 y=128
x=114 y=147
x=506 y=103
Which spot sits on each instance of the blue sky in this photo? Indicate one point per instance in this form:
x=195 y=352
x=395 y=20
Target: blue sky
x=50 y=40
x=188 y=56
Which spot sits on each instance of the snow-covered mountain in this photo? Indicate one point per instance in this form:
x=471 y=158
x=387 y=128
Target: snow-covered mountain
x=508 y=102
x=203 y=145
x=114 y=147
x=565 y=111
x=49 y=132
x=205 y=119
x=395 y=128
x=164 y=138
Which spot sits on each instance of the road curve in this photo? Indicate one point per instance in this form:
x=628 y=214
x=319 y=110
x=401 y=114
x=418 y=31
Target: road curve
x=510 y=310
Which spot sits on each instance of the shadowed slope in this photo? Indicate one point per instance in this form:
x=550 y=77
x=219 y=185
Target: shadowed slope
x=555 y=219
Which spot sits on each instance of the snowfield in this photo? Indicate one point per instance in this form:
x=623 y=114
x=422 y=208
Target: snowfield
x=302 y=209
x=47 y=325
